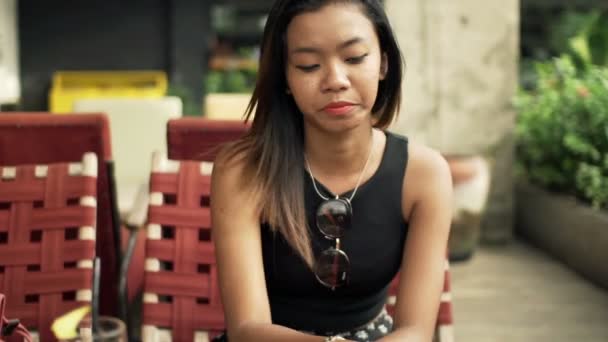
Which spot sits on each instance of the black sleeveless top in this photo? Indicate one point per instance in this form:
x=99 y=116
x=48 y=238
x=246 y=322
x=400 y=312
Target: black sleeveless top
x=374 y=246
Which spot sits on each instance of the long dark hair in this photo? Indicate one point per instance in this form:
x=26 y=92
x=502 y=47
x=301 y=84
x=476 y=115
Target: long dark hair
x=273 y=149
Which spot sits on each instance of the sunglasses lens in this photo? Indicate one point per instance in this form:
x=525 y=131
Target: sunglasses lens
x=331 y=268
x=333 y=217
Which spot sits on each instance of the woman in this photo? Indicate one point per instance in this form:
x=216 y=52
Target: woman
x=317 y=208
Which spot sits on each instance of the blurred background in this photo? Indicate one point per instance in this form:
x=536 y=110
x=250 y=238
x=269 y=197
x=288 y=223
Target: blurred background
x=514 y=94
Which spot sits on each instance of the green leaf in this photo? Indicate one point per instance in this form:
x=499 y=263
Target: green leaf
x=562 y=129
x=580 y=46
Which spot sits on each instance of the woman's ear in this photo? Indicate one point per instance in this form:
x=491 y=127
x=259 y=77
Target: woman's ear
x=383 y=66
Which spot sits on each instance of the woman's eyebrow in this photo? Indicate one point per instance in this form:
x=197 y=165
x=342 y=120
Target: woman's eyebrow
x=341 y=46
x=350 y=42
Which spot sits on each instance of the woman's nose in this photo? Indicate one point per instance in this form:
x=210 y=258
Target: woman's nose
x=335 y=78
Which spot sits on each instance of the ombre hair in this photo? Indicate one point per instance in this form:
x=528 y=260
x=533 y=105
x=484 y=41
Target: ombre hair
x=273 y=149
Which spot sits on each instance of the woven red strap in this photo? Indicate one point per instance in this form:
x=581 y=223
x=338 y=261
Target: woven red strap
x=187 y=283
x=43 y=138
x=445 y=307
x=40 y=250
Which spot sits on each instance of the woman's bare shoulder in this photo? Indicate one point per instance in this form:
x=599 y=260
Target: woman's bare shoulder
x=231 y=179
x=427 y=171
x=230 y=162
x=424 y=159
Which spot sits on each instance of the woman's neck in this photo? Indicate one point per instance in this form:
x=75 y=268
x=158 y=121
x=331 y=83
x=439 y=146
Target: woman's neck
x=331 y=154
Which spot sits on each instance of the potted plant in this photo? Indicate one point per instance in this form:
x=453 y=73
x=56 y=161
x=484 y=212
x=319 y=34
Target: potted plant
x=562 y=151
x=471 y=181
x=229 y=84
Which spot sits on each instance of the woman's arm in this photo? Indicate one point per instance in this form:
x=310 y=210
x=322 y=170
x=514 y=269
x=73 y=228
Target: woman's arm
x=427 y=199
x=238 y=249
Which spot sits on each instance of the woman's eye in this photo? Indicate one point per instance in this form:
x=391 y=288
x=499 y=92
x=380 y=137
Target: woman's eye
x=308 y=68
x=357 y=59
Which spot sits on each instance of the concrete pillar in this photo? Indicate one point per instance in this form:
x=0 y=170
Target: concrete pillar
x=9 y=53
x=461 y=74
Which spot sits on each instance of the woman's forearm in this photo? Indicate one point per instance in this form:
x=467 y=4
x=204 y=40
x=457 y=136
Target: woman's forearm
x=265 y=332
x=406 y=334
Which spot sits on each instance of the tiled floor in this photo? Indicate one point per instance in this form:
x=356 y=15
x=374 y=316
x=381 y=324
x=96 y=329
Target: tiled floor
x=517 y=293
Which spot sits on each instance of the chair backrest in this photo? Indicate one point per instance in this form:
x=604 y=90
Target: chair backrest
x=192 y=138
x=181 y=295
x=444 y=331
x=138 y=127
x=42 y=138
x=179 y=216
x=47 y=239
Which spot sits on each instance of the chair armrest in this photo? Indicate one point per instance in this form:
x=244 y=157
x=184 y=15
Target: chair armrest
x=139 y=212
x=135 y=220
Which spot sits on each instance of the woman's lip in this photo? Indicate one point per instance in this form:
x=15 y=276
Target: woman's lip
x=339 y=110
x=338 y=104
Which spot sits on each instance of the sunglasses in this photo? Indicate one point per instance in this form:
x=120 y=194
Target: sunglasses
x=333 y=219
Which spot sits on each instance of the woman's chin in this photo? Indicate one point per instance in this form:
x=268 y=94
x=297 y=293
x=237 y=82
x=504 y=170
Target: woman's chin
x=340 y=124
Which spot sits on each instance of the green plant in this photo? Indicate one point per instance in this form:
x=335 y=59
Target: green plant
x=213 y=82
x=582 y=35
x=230 y=81
x=235 y=81
x=562 y=129
x=189 y=104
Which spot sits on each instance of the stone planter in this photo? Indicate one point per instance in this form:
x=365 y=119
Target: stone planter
x=471 y=178
x=226 y=106
x=565 y=228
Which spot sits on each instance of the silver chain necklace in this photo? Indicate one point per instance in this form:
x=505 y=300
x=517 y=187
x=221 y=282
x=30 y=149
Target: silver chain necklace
x=314 y=184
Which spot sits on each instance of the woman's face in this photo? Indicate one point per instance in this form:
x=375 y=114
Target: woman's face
x=334 y=64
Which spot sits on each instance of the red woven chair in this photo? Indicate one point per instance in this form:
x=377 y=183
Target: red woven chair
x=181 y=296
x=444 y=331
x=29 y=138
x=191 y=138
x=47 y=239
x=187 y=138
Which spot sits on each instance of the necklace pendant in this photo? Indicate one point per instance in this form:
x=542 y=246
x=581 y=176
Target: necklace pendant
x=347 y=199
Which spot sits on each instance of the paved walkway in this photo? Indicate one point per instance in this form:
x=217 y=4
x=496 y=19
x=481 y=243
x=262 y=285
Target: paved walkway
x=517 y=293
